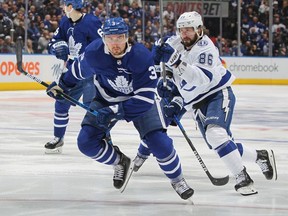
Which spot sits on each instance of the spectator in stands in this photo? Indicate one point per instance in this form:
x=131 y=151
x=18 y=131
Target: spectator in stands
x=2 y=36
x=138 y=35
x=30 y=49
x=20 y=30
x=244 y=28
x=245 y=48
x=43 y=42
x=19 y=17
x=33 y=34
x=5 y=10
x=168 y=15
x=263 y=44
x=283 y=51
x=263 y=11
x=8 y=46
x=278 y=26
x=284 y=13
x=135 y=10
x=234 y=48
x=6 y=24
x=276 y=8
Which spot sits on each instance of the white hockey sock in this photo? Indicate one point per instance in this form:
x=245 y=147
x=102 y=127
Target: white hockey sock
x=249 y=154
x=233 y=161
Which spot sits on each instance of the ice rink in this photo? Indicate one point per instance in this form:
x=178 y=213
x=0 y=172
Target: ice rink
x=32 y=183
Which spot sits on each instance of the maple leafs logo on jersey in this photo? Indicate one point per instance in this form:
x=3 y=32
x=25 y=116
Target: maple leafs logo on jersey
x=121 y=84
x=74 y=48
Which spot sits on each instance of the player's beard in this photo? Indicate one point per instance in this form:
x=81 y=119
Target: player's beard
x=188 y=42
x=116 y=51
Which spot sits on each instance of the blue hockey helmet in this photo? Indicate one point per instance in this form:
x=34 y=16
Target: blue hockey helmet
x=115 y=25
x=76 y=4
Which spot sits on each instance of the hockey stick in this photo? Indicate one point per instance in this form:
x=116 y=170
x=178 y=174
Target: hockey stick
x=162 y=64
x=19 y=55
x=215 y=181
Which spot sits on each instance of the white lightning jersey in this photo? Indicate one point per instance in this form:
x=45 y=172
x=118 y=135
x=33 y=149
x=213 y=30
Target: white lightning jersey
x=201 y=72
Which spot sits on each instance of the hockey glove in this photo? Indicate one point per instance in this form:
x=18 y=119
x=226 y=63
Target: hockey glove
x=53 y=89
x=109 y=114
x=166 y=53
x=165 y=91
x=174 y=107
x=170 y=56
x=156 y=54
x=60 y=50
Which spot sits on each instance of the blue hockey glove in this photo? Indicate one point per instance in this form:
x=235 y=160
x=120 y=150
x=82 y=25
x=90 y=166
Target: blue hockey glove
x=60 y=50
x=156 y=51
x=170 y=56
x=174 y=107
x=109 y=114
x=165 y=53
x=157 y=54
x=165 y=91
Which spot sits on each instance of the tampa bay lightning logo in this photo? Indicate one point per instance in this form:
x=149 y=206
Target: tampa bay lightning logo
x=202 y=43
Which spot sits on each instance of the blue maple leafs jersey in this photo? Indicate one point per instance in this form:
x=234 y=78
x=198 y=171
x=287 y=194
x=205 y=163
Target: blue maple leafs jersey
x=77 y=34
x=130 y=80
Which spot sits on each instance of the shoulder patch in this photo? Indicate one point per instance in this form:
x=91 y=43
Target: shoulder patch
x=202 y=43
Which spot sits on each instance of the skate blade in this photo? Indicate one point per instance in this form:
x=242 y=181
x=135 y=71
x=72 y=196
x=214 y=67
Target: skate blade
x=129 y=174
x=54 y=151
x=248 y=190
x=273 y=164
x=190 y=201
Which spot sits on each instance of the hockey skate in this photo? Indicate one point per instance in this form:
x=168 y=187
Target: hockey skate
x=134 y=167
x=182 y=189
x=266 y=161
x=121 y=169
x=138 y=162
x=54 y=146
x=244 y=184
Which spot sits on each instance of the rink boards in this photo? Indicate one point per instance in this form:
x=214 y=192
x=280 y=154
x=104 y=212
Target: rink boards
x=248 y=70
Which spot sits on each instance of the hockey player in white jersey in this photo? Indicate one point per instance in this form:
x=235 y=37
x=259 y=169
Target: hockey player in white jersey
x=125 y=90
x=200 y=80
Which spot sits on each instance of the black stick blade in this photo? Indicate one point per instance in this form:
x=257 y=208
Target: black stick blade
x=219 y=181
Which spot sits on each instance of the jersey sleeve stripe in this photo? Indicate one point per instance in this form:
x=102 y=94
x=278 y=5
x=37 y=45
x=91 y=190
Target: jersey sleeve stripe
x=74 y=72
x=145 y=90
x=148 y=100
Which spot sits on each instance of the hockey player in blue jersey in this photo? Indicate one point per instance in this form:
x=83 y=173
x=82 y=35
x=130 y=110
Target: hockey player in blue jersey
x=125 y=89
x=75 y=32
x=200 y=80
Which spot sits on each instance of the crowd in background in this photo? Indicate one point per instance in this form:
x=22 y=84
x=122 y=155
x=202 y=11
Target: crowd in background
x=44 y=16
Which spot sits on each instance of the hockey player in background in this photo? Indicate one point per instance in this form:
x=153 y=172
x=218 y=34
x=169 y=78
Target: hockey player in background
x=200 y=80
x=75 y=32
x=125 y=90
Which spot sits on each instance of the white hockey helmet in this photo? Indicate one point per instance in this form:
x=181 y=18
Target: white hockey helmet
x=189 y=19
